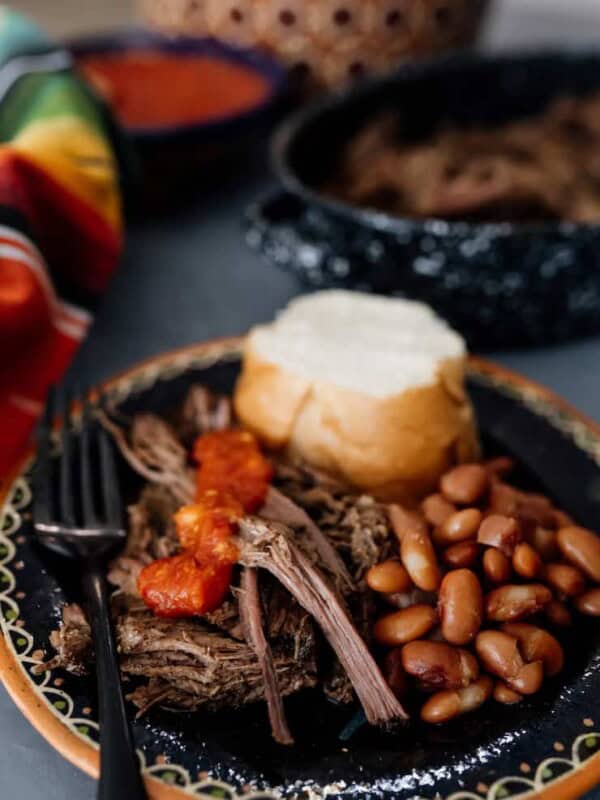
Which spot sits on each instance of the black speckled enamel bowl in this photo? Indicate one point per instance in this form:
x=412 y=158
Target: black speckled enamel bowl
x=547 y=746
x=500 y=284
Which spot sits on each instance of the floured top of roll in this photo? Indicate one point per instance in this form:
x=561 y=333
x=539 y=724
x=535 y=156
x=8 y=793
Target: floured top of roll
x=379 y=346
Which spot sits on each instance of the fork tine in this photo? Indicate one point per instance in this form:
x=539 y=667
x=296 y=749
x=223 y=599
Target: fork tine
x=110 y=484
x=43 y=500
x=85 y=456
x=67 y=488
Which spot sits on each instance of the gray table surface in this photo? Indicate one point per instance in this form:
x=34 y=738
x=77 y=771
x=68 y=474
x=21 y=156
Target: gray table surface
x=189 y=277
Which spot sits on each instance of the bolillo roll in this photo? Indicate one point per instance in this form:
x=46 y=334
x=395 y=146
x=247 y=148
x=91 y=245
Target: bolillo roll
x=369 y=389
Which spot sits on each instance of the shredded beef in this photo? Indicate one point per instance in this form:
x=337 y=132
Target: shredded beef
x=154 y=452
x=215 y=670
x=151 y=536
x=72 y=642
x=285 y=620
x=280 y=508
x=226 y=618
x=203 y=412
x=252 y=623
x=367 y=526
x=316 y=539
x=359 y=528
x=356 y=525
x=537 y=168
x=270 y=546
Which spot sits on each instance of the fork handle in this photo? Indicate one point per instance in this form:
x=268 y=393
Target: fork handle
x=120 y=777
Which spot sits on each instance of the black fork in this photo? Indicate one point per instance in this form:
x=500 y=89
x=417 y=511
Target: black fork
x=77 y=513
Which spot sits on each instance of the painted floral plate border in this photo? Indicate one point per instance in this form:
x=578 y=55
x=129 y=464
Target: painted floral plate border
x=573 y=768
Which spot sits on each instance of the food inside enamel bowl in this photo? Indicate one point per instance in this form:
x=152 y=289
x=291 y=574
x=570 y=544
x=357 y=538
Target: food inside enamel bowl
x=542 y=167
x=150 y=88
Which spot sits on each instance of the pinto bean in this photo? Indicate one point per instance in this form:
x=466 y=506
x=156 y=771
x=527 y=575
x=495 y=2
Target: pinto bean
x=461 y=555
x=416 y=549
x=562 y=520
x=582 y=549
x=505 y=695
x=394 y=673
x=405 y=625
x=536 y=644
x=390 y=577
x=503 y=499
x=436 y=509
x=496 y=566
x=530 y=508
x=444 y=706
x=535 y=509
x=500 y=467
x=589 y=603
x=558 y=614
x=499 y=654
x=529 y=679
x=514 y=602
x=465 y=485
x=565 y=579
x=501 y=532
x=439 y=666
x=413 y=597
x=526 y=562
x=404 y=520
x=543 y=541
x=460 y=606
x=458 y=527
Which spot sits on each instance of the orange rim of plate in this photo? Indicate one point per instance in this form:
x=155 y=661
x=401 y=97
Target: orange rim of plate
x=85 y=756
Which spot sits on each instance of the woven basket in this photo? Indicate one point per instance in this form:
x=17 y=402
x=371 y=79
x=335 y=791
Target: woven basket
x=331 y=40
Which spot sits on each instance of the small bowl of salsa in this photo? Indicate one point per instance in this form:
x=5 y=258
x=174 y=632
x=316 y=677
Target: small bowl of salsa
x=183 y=102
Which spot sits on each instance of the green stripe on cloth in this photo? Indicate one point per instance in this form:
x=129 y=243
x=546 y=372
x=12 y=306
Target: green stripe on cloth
x=43 y=96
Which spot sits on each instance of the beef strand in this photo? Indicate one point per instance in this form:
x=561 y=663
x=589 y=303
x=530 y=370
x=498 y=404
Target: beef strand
x=155 y=453
x=151 y=535
x=270 y=546
x=72 y=643
x=279 y=508
x=203 y=412
x=251 y=616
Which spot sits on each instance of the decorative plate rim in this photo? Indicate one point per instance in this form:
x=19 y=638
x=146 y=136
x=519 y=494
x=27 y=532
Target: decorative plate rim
x=583 y=775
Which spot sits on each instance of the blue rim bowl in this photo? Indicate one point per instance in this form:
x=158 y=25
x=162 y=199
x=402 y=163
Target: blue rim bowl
x=130 y=39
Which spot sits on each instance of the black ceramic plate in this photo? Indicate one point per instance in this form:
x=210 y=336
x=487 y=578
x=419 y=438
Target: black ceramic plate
x=550 y=743
x=499 y=284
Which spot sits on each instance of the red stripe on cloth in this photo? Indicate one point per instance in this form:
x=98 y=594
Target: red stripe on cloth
x=39 y=334
x=28 y=302
x=76 y=241
x=24 y=390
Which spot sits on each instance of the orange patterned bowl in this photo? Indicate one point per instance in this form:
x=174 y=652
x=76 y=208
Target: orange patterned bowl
x=332 y=40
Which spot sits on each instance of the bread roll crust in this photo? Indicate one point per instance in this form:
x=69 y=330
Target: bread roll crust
x=395 y=448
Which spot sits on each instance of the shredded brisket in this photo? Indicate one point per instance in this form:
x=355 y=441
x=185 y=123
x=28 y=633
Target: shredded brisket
x=72 y=643
x=313 y=544
x=279 y=508
x=270 y=546
x=151 y=536
x=251 y=616
x=227 y=618
x=528 y=170
x=154 y=452
x=215 y=670
x=203 y=412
